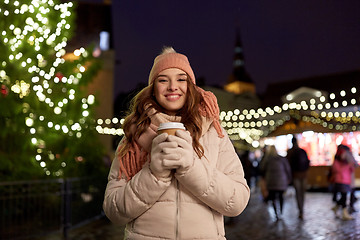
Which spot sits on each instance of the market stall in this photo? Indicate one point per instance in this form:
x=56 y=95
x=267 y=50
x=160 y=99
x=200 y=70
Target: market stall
x=320 y=145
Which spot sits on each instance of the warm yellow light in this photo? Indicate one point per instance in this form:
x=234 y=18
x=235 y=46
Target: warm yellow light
x=29 y=122
x=77 y=52
x=91 y=99
x=57 y=110
x=85 y=113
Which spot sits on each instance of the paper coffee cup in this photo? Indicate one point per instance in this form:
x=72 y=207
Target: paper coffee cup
x=170 y=127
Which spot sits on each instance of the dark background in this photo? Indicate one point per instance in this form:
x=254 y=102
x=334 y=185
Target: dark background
x=282 y=40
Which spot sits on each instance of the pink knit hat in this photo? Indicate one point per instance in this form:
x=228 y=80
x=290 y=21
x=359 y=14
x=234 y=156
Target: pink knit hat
x=171 y=59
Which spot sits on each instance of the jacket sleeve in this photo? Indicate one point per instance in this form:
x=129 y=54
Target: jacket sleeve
x=221 y=186
x=126 y=200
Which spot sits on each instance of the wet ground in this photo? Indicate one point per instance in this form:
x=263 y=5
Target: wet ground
x=258 y=222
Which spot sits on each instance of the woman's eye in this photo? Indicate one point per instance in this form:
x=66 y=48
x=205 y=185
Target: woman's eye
x=162 y=80
x=182 y=80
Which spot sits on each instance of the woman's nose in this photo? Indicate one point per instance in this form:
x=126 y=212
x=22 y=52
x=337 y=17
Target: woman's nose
x=173 y=86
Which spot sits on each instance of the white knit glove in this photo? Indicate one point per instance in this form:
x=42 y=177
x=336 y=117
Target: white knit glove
x=157 y=166
x=180 y=157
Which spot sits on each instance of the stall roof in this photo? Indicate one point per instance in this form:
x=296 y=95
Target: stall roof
x=294 y=126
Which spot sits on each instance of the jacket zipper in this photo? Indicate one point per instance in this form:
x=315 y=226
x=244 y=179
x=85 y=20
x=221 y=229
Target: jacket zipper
x=177 y=210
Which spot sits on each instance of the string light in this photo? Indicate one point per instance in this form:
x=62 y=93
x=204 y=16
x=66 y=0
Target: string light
x=37 y=75
x=240 y=125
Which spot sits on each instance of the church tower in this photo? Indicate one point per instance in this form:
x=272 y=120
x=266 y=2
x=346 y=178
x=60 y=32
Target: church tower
x=239 y=81
x=239 y=90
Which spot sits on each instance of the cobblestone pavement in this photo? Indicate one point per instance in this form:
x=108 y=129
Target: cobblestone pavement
x=258 y=222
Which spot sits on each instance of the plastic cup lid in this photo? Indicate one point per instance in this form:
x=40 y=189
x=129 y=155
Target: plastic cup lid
x=169 y=125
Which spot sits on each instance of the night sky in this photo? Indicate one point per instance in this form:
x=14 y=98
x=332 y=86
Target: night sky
x=282 y=40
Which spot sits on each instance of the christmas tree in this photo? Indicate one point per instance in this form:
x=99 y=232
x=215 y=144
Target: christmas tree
x=46 y=116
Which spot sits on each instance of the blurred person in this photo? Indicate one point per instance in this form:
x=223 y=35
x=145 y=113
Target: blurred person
x=277 y=174
x=299 y=163
x=174 y=187
x=342 y=177
x=349 y=157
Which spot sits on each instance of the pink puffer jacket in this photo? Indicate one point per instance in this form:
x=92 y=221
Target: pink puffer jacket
x=342 y=172
x=190 y=206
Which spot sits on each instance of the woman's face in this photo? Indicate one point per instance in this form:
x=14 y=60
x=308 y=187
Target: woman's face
x=170 y=88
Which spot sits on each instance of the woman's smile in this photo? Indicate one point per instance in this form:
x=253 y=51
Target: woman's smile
x=172 y=97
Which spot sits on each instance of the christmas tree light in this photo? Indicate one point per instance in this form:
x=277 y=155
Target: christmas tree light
x=45 y=112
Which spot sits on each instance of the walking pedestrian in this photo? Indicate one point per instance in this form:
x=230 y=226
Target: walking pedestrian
x=299 y=163
x=341 y=175
x=174 y=187
x=277 y=174
x=349 y=157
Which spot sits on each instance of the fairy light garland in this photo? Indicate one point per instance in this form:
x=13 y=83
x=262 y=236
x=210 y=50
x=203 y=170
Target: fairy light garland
x=252 y=124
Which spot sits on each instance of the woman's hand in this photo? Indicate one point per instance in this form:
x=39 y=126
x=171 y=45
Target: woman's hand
x=158 y=156
x=180 y=157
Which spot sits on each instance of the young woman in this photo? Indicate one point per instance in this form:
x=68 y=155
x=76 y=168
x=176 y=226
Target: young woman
x=174 y=187
x=342 y=172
